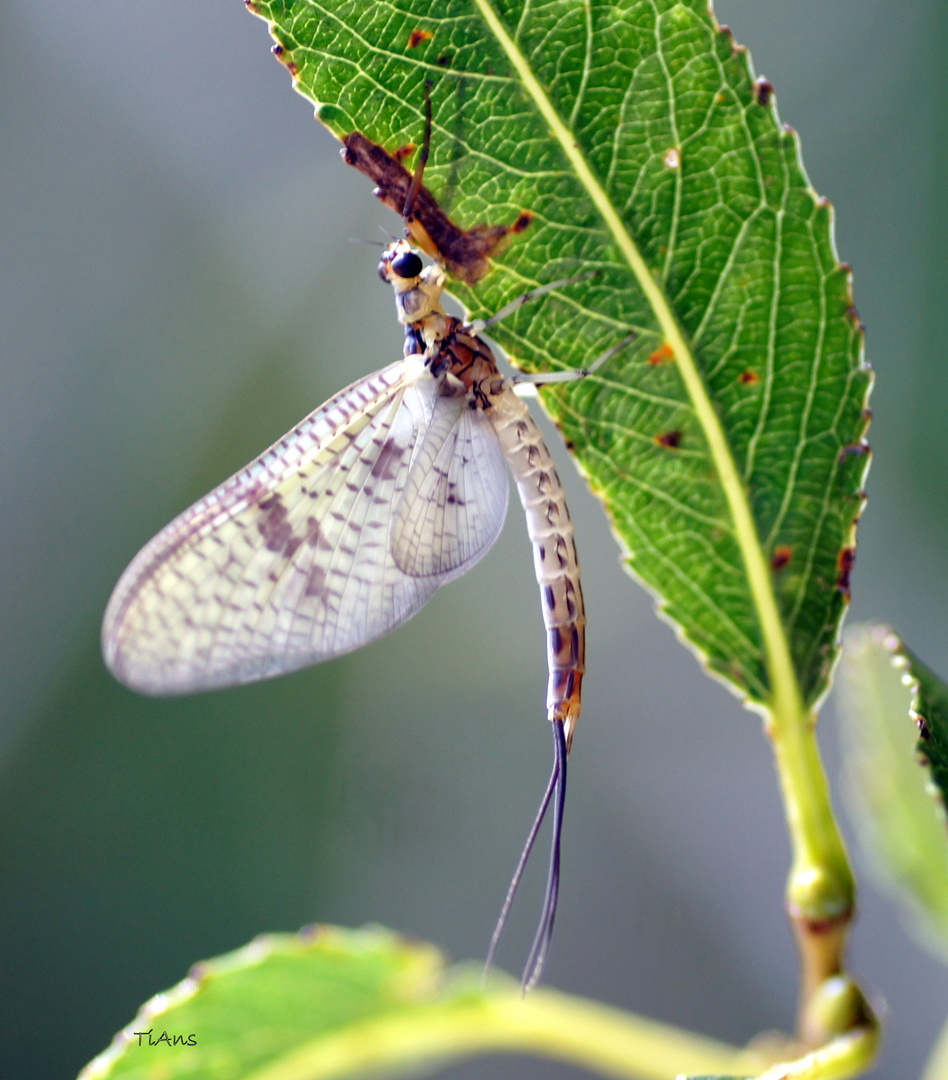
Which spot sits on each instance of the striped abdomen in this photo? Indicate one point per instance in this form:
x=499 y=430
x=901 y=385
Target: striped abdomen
x=554 y=552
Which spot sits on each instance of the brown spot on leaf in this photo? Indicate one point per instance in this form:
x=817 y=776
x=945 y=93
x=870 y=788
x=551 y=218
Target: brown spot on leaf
x=764 y=91
x=859 y=449
x=522 y=222
x=279 y=52
x=748 y=377
x=417 y=36
x=671 y=440
x=662 y=354
x=847 y=557
x=404 y=152
x=444 y=60
x=923 y=733
x=781 y=556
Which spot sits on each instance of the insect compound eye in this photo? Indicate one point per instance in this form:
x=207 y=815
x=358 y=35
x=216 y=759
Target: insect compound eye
x=407 y=265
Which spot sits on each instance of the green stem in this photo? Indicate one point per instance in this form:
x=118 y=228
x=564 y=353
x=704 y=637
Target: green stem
x=845 y=1056
x=820 y=886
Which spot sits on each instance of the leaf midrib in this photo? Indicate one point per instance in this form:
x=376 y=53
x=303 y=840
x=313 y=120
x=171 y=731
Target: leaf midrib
x=784 y=687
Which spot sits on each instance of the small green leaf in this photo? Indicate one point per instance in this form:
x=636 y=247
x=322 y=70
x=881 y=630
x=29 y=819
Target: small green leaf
x=882 y=688
x=726 y=441
x=930 y=713
x=337 y=1003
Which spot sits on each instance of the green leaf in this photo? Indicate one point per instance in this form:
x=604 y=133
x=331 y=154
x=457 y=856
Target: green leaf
x=882 y=688
x=337 y=1002
x=930 y=713
x=726 y=442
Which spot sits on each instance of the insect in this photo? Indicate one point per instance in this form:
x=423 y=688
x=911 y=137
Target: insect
x=348 y=525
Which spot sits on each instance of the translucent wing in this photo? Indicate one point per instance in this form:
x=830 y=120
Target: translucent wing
x=454 y=505
x=290 y=561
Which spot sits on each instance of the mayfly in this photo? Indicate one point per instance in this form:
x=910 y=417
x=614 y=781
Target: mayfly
x=347 y=526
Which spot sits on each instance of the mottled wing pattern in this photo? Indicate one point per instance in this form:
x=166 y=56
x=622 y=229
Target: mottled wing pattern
x=454 y=505
x=290 y=561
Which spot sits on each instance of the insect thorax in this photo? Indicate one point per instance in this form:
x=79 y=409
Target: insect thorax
x=448 y=347
x=468 y=359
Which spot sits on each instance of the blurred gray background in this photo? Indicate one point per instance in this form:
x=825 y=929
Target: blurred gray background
x=178 y=288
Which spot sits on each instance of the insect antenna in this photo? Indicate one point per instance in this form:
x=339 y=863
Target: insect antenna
x=555 y=790
x=371 y=243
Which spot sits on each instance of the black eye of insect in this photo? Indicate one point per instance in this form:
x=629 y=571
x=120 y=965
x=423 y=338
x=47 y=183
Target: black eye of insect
x=407 y=265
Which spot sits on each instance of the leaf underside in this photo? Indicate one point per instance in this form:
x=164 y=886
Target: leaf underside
x=636 y=130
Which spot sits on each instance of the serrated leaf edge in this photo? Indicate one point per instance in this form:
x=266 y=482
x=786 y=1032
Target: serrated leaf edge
x=786 y=699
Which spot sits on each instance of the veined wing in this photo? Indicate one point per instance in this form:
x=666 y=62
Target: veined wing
x=454 y=505
x=290 y=561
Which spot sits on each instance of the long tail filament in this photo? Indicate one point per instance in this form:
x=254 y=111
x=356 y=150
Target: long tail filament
x=555 y=790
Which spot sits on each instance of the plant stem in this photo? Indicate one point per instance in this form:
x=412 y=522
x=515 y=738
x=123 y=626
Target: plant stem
x=845 y=1056
x=820 y=886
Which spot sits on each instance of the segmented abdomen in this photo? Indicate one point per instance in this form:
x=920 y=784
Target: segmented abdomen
x=554 y=553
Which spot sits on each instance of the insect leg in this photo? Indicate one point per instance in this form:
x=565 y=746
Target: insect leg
x=542 y=378
x=478 y=325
